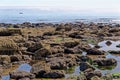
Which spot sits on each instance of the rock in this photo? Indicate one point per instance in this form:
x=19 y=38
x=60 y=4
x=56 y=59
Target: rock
x=26 y=58
x=43 y=52
x=95 y=78
x=15 y=58
x=118 y=46
x=85 y=65
x=54 y=74
x=114 y=52
x=61 y=63
x=57 y=63
x=21 y=74
x=108 y=43
x=39 y=69
x=35 y=47
x=4 y=59
x=89 y=73
x=56 y=49
x=94 y=51
x=97 y=46
x=82 y=76
x=80 y=58
x=1 y=71
x=48 y=34
x=71 y=44
x=72 y=51
x=107 y=76
x=75 y=35
x=105 y=61
x=24 y=79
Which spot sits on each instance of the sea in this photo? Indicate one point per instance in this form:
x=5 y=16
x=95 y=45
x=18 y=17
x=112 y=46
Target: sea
x=51 y=16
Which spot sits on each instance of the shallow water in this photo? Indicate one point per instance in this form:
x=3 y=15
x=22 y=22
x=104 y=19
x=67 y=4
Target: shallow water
x=110 y=47
x=105 y=47
x=22 y=67
x=76 y=70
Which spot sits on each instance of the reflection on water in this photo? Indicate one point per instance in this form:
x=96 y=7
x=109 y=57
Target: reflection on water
x=25 y=67
x=105 y=47
x=22 y=67
x=76 y=71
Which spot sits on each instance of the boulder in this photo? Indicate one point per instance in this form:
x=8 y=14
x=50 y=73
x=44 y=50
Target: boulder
x=43 y=52
x=54 y=74
x=114 y=52
x=75 y=50
x=118 y=46
x=24 y=79
x=71 y=44
x=15 y=58
x=39 y=69
x=105 y=61
x=86 y=65
x=21 y=74
x=108 y=43
x=35 y=47
x=4 y=59
x=80 y=58
x=75 y=35
x=1 y=71
x=89 y=73
x=95 y=78
x=94 y=51
x=57 y=63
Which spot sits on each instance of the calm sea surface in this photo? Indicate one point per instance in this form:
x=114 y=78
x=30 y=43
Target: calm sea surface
x=34 y=16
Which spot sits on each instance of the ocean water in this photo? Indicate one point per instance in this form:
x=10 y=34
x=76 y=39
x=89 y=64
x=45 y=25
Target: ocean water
x=36 y=15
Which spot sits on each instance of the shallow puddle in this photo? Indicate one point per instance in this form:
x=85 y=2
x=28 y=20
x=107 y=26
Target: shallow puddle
x=105 y=47
x=22 y=67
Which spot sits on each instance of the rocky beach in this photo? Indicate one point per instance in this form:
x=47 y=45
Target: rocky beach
x=60 y=51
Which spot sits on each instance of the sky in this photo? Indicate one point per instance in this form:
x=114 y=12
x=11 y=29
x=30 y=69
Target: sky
x=68 y=5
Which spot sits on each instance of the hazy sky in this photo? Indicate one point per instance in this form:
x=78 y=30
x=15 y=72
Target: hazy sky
x=77 y=5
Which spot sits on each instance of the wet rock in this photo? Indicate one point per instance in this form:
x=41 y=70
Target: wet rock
x=56 y=49
x=113 y=30
x=108 y=43
x=80 y=58
x=4 y=59
x=94 y=51
x=97 y=46
x=86 y=65
x=64 y=27
x=43 y=52
x=114 y=52
x=118 y=46
x=1 y=71
x=82 y=76
x=26 y=58
x=48 y=34
x=72 y=51
x=57 y=63
x=15 y=58
x=21 y=74
x=95 y=78
x=54 y=74
x=24 y=79
x=35 y=47
x=71 y=44
x=105 y=61
x=89 y=73
x=107 y=76
x=39 y=69
x=75 y=35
